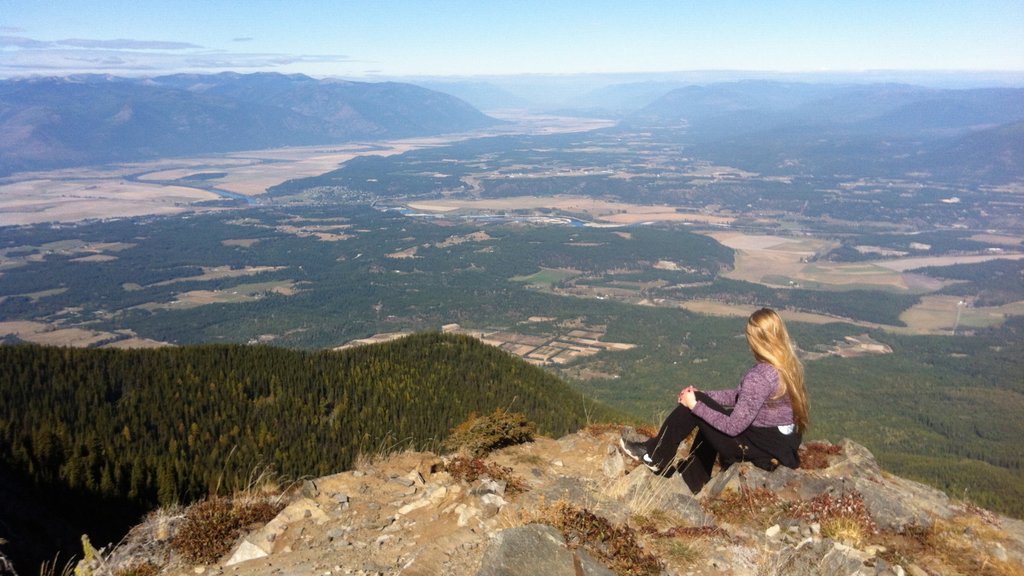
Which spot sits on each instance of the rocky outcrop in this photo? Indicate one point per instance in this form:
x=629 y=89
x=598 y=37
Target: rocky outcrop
x=408 y=515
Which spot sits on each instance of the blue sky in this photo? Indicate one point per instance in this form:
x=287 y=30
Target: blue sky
x=365 y=39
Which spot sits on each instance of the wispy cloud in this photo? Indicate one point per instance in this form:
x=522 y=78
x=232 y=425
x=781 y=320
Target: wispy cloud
x=128 y=56
x=242 y=39
x=123 y=44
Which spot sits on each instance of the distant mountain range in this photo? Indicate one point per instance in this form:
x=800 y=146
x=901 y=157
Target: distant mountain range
x=57 y=122
x=867 y=129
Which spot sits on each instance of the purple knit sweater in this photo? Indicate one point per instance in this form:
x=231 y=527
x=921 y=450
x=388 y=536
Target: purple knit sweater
x=751 y=401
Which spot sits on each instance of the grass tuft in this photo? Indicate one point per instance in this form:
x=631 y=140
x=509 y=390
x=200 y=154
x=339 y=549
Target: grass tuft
x=749 y=506
x=844 y=518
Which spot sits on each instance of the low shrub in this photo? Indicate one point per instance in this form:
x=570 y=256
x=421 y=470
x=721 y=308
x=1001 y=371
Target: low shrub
x=211 y=526
x=472 y=469
x=209 y=530
x=615 y=546
x=815 y=455
x=481 y=435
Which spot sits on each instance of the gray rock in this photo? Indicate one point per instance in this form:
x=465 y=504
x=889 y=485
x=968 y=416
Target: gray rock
x=893 y=503
x=246 y=551
x=402 y=481
x=489 y=486
x=310 y=490
x=823 y=557
x=590 y=566
x=535 y=549
x=614 y=464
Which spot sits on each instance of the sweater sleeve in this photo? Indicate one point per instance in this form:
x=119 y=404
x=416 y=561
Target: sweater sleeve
x=723 y=397
x=757 y=386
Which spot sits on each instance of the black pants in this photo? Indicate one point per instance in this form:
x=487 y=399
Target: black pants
x=765 y=447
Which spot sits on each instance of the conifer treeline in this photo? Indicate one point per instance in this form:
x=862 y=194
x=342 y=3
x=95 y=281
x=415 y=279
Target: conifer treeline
x=162 y=425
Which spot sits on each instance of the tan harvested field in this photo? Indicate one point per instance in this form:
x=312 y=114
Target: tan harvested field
x=779 y=261
x=251 y=173
x=1000 y=239
x=233 y=295
x=219 y=272
x=904 y=264
x=600 y=210
x=46 y=200
x=74 y=194
x=136 y=343
x=938 y=314
x=241 y=242
x=50 y=335
x=714 y=308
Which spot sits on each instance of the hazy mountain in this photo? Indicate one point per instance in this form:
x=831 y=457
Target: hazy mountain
x=483 y=95
x=897 y=107
x=56 y=122
x=876 y=129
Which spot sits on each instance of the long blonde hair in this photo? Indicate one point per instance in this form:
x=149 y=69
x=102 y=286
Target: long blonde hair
x=769 y=341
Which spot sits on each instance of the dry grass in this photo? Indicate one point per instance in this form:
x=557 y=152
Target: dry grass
x=955 y=544
x=757 y=507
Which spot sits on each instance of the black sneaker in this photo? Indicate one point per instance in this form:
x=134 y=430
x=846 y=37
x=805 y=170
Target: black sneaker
x=646 y=459
x=635 y=450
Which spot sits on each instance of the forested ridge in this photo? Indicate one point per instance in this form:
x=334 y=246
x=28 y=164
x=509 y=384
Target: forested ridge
x=148 y=427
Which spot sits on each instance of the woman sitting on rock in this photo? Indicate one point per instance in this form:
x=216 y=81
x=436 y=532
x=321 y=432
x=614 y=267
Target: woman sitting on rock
x=761 y=421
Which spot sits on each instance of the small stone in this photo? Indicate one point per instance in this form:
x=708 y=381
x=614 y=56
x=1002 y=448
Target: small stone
x=773 y=531
x=413 y=506
x=340 y=498
x=816 y=529
x=307 y=514
x=358 y=473
x=558 y=463
x=402 y=481
x=199 y=569
x=309 y=489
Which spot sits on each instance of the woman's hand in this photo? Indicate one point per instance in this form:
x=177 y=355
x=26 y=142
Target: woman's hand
x=687 y=397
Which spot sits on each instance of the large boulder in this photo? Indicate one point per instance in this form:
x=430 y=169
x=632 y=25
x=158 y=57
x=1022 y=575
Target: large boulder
x=894 y=503
x=536 y=549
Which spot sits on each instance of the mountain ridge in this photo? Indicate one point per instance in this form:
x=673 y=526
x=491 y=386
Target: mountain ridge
x=575 y=505
x=55 y=122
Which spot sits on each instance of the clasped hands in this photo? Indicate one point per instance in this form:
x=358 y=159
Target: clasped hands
x=687 y=397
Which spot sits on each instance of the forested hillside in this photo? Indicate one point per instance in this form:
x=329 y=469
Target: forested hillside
x=132 y=429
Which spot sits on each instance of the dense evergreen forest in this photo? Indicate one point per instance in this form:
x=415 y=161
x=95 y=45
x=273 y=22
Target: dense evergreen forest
x=95 y=428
